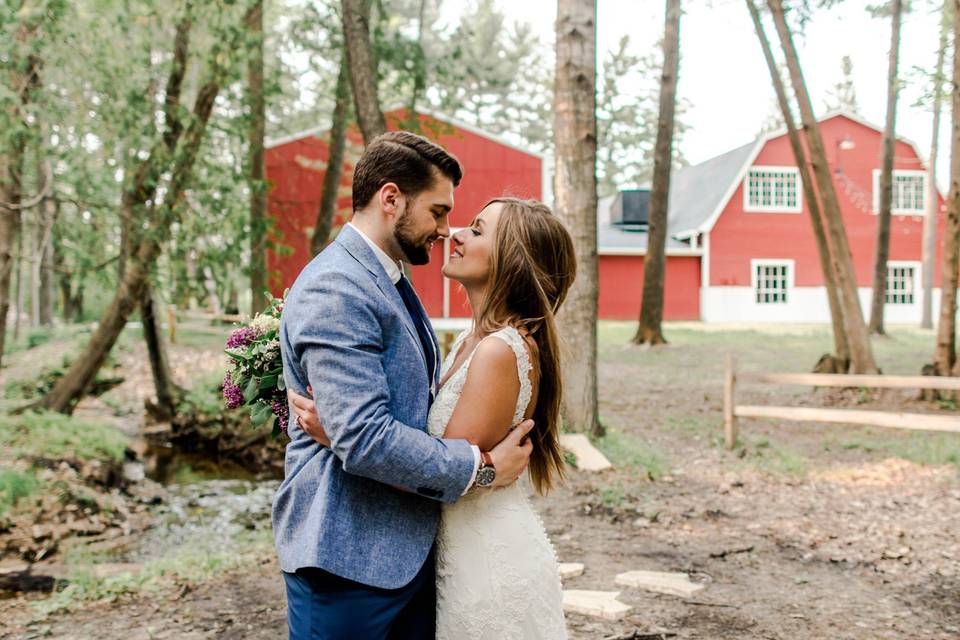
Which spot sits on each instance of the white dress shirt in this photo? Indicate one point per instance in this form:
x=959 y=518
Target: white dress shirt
x=394 y=271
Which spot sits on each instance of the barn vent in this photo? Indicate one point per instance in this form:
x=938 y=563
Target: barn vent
x=631 y=209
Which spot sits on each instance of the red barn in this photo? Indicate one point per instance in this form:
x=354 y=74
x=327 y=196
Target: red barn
x=296 y=165
x=744 y=214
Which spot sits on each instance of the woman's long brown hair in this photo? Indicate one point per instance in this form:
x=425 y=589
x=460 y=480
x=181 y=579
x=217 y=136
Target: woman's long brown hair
x=532 y=267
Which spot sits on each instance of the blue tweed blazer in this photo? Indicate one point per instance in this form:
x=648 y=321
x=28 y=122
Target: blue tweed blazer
x=345 y=331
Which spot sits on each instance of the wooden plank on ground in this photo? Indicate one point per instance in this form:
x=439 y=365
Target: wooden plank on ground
x=588 y=458
x=844 y=380
x=570 y=570
x=674 y=584
x=600 y=604
x=889 y=419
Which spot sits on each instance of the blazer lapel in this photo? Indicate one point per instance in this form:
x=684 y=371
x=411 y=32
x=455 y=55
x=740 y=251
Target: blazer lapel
x=357 y=247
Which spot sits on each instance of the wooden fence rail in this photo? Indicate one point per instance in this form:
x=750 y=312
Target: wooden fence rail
x=888 y=419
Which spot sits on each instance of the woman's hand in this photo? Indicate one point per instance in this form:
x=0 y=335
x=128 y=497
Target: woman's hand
x=306 y=416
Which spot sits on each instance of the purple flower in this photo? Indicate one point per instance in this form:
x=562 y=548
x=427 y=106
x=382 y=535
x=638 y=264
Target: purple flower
x=232 y=393
x=282 y=411
x=242 y=337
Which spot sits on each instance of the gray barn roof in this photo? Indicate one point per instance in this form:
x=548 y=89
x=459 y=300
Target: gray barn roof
x=696 y=192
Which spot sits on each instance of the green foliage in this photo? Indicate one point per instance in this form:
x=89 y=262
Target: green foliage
x=51 y=435
x=13 y=486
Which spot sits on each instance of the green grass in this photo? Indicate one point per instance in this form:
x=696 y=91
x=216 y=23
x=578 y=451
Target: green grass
x=50 y=435
x=194 y=561
x=14 y=485
x=933 y=449
x=629 y=452
x=204 y=394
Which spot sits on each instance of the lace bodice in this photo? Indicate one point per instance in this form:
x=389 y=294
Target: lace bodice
x=497 y=575
x=449 y=394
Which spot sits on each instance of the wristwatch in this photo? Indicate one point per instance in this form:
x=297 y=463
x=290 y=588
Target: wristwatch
x=487 y=473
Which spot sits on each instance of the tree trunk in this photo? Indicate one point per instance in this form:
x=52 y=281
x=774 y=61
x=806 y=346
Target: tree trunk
x=886 y=179
x=650 y=330
x=575 y=189
x=861 y=352
x=337 y=147
x=363 y=67
x=258 y=185
x=933 y=208
x=841 y=351
x=47 y=276
x=71 y=387
x=945 y=355
x=22 y=82
x=168 y=393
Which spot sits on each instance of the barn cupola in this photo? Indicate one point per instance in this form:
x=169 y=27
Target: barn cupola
x=631 y=209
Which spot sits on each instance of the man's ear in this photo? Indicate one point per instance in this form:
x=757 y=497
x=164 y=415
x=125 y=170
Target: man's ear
x=391 y=199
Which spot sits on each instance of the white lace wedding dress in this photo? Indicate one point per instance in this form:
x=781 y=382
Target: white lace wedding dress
x=497 y=574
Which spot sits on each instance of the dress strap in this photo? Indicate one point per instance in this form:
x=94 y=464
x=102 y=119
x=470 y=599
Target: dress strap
x=512 y=337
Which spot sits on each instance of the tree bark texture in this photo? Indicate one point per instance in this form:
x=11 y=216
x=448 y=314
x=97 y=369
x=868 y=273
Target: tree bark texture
x=945 y=354
x=363 y=67
x=47 y=275
x=168 y=393
x=336 y=149
x=22 y=79
x=258 y=185
x=886 y=177
x=933 y=205
x=861 y=352
x=841 y=351
x=650 y=329
x=575 y=189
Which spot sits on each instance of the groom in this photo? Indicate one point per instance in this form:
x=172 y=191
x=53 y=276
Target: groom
x=355 y=521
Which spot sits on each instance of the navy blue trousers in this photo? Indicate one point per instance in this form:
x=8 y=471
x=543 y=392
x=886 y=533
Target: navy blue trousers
x=322 y=606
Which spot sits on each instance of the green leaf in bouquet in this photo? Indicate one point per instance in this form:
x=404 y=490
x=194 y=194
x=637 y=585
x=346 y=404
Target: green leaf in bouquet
x=252 y=389
x=269 y=381
x=260 y=413
x=239 y=357
x=275 y=432
x=281 y=384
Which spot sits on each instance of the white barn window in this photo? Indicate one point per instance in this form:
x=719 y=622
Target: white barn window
x=772 y=189
x=901 y=283
x=909 y=192
x=772 y=281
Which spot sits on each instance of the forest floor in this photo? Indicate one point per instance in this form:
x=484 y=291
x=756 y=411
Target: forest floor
x=803 y=531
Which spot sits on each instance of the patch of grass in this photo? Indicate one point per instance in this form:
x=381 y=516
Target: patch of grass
x=934 y=449
x=613 y=496
x=192 y=562
x=774 y=458
x=205 y=395
x=627 y=451
x=50 y=434
x=13 y=486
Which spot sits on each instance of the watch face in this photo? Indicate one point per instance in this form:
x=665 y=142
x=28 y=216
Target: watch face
x=486 y=476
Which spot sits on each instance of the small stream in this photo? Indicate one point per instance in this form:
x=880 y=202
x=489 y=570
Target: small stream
x=210 y=507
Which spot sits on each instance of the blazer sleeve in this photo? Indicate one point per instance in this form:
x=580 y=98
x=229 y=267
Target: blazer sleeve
x=339 y=346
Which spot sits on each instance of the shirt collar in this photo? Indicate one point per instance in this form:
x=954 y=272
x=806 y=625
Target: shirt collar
x=389 y=264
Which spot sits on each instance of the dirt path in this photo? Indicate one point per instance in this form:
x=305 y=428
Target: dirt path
x=804 y=532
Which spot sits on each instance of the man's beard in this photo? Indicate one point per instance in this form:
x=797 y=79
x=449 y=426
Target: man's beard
x=416 y=250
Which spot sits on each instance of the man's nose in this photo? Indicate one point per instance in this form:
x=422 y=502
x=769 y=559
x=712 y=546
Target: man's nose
x=443 y=228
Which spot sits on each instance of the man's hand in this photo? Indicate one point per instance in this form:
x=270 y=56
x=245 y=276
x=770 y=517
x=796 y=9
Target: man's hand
x=511 y=455
x=309 y=421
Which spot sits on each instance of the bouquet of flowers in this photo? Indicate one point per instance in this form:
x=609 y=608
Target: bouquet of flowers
x=255 y=379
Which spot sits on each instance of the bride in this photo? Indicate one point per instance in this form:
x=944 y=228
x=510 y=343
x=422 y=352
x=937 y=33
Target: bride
x=497 y=574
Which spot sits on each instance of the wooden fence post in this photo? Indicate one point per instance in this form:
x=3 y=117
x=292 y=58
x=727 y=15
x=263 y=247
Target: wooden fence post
x=730 y=430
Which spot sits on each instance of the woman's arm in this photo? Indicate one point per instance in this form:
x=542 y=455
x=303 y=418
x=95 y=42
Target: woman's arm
x=485 y=409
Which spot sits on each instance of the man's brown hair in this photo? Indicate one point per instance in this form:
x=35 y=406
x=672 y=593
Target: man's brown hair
x=407 y=160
